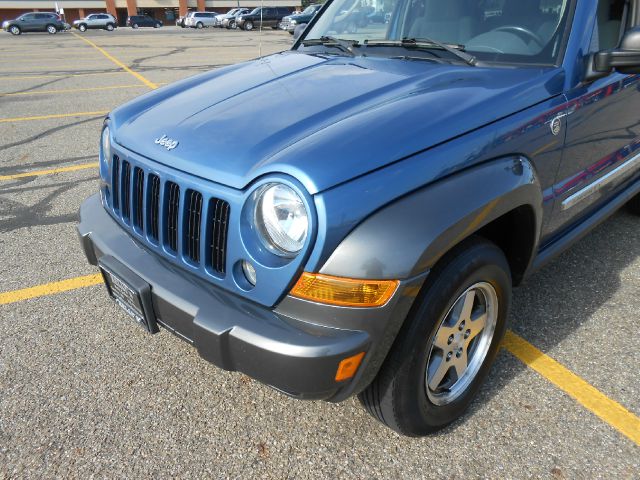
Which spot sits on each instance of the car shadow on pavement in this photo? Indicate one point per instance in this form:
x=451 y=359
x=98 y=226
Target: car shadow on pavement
x=556 y=301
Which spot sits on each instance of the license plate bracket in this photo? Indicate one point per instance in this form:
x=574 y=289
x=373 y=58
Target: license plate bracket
x=129 y=292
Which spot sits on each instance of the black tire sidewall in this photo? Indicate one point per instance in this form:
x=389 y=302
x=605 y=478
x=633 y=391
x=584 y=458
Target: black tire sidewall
x=486 y=264
x=634 y=205
x=82 y=28
x=55 y=30
x=16 y=29
x=110 y=27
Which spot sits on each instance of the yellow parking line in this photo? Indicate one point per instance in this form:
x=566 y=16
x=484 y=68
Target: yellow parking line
x=62 y=75
x=585 y=394
x=70 y=90
x=50 y=288
x=51 y=171
x=148 y=83
x=57 y=115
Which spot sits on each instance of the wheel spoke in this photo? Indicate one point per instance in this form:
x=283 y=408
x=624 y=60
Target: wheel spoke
x=436 y=379
x=460 y=364
x=467 y=307
x=477 y=326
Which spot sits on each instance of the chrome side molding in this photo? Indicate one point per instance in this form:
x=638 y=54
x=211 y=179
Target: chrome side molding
x=602 y=182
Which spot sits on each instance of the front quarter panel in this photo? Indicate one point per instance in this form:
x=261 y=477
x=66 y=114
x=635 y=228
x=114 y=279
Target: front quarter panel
x=408 y=236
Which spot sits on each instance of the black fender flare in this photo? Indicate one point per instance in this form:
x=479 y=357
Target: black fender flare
x=407 y=237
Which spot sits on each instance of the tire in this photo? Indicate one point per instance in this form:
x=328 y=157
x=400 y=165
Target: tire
x=135 y=26
x=400 y=396
x=248 y=25
x=82 y=27
x=634 y=205
x=199 y=25
x=51 y=29
x=15 y=30
x=110 y=27
x=156 y=25
x=233 y=25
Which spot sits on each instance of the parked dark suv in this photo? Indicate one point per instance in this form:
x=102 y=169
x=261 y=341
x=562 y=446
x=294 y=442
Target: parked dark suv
x=269 y=16
x=136 y=21
x=34 y=22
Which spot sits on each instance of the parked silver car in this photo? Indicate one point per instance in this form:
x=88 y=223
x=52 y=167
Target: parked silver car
x=229 y=20
x=200 y=19
x=104 y=21
x=221 y=16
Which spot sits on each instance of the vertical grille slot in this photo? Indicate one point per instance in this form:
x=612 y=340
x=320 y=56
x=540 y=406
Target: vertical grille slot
x=193 y=202
x=115 y=182
x=138 y=179
x=126 y=190
x=219 y=217
x=173 y=207
x=154 y=206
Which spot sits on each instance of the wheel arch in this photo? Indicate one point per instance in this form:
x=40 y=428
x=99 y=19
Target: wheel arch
x=500 y=200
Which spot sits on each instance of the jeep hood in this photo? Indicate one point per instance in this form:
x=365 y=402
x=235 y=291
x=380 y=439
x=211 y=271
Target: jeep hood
x=323 y=119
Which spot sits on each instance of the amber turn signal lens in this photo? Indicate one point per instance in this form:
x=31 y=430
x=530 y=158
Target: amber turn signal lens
x=344 y=292
x=348 y=367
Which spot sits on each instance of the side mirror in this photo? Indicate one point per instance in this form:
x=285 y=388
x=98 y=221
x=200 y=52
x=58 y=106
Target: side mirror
x=298 y=31
x=624 y=59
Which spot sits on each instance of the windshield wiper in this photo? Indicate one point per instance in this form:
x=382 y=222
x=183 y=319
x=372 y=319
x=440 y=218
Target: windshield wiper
x=430 y=43
x=344 y=45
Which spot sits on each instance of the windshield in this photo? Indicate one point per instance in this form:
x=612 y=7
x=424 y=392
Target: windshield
x=506 y=31
x=255 y=11
x=309 y=10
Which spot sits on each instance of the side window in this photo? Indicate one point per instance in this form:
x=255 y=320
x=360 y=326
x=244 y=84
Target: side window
x=609 y=24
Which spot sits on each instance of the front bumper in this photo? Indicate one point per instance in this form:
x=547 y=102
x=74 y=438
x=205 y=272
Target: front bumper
x=295 y=348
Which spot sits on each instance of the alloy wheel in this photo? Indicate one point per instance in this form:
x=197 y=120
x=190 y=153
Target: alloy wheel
x=461 y=343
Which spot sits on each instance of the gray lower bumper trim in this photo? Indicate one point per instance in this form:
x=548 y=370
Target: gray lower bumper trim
x=296 y=357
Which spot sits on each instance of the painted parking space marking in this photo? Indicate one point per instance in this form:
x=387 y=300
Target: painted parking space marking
x=72 y=90
x=147 y=82
x=51 y=171
x=56 y=115
x=579 y=389
x=50 y=288
x=58 y=75
x=585 y=394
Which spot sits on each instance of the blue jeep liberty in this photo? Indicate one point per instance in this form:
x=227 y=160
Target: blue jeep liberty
x=400 y=179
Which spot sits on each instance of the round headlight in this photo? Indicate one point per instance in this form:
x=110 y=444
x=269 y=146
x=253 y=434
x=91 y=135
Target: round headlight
x=106 y=145
x=282 y=219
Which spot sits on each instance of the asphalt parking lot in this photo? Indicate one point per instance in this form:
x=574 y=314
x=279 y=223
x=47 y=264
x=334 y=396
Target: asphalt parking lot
x=83 y=391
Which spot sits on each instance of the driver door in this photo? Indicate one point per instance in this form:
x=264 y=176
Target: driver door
x=603 y=129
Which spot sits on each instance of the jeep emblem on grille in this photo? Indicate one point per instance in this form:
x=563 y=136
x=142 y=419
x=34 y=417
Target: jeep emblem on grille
x=167 y=142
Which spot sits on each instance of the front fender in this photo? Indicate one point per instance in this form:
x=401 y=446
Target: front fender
x=408 y=236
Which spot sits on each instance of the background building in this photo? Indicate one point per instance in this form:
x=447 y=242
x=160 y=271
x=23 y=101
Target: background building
x=165 y=10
